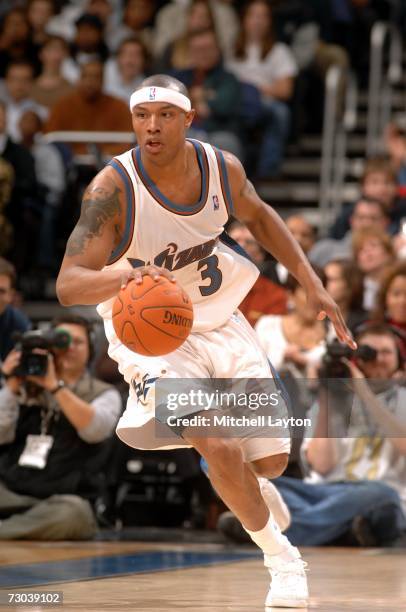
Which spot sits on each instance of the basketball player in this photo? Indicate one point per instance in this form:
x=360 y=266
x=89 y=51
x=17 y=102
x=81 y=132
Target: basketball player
x=160 y=209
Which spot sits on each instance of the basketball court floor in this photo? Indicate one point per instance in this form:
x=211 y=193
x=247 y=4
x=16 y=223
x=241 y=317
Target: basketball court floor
x=152 y=577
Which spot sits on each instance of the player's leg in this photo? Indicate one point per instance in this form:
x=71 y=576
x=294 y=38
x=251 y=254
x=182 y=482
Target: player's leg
x=270 y=494
x=266 y=469
x=268 y=457
x=265 y=453
x=238 y=486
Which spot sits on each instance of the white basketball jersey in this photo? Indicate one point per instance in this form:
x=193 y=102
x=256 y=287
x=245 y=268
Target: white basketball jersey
x=187 y=240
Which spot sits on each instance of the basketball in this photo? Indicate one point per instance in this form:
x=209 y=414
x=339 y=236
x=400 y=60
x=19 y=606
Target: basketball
x=153 y=318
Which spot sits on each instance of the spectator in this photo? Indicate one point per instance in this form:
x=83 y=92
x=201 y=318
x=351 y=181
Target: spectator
x=354 y=485
x=265 y=297
x=270 y=66
x=299 y=25
x=11 y=319
x=94 y=110
x=378 y=182
x=54 y=80
x=294 y=341
x=23 y=205
x=367 y=213
x=199 y=16
x=351 y=22
x=39 y=12
x=15 y=42
x=63 y=22
x=215 y=93
x=305 y=234
x=124 y=73
x=6 y=188
x=7 y=5
x=17 y=96
x=50 y=172
x=373 y=253
x=359 y=475
x=88 y=43
x=396 y=145
x=391 y=301
x=344 y=282
x=171 y=24
x=138 y=19
x=109 y=16
x=43 y=489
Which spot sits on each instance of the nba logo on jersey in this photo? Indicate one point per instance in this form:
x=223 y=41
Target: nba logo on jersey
x=216 y=203
x=152 y=93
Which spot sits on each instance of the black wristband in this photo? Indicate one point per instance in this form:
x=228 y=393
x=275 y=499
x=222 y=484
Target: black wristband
x=58 y=387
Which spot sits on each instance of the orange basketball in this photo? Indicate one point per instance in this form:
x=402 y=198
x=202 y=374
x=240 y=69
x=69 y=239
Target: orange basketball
x=153 y=318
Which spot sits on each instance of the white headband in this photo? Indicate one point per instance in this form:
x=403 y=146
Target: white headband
x=160 y=94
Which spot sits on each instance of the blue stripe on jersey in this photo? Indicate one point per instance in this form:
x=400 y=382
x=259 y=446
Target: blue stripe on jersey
x=223 y=167
x=129 y=195
x=230 y=242
x=159 y=196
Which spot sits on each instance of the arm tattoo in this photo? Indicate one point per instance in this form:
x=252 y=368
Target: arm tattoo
x=247 y=189
x=99 y=205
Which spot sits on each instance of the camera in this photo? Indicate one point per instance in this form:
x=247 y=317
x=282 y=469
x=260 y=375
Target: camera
x=333 y=367
x=36 y=364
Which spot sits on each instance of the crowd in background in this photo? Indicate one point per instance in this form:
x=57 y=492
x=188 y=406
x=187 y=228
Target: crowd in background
x=254 y=71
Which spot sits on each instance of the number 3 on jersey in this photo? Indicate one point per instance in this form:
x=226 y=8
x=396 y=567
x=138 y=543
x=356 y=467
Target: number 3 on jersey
x=209 y=269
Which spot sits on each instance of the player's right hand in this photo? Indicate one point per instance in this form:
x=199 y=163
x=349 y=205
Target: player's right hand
x=137 y=273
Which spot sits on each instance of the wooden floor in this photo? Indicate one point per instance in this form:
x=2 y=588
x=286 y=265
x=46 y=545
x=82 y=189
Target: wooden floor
x=340 y=579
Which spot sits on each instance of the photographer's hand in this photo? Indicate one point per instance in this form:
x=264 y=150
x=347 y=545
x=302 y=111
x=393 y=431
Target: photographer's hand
x=50 y=380
x=10 y=363
x=358 y=380
x=393 y=428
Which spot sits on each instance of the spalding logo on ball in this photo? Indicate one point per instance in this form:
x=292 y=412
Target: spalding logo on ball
x=153 y=318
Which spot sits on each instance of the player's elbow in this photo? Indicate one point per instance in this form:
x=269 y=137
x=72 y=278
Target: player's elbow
x=64 y=295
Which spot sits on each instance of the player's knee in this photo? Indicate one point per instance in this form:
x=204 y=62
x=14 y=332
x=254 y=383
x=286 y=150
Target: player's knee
x=271 y=467
x=222 y=455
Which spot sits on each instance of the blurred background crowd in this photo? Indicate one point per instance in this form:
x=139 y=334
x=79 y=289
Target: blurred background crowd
x=259 y=75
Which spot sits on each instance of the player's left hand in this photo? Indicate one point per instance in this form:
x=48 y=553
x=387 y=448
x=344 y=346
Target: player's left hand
x=325 y=306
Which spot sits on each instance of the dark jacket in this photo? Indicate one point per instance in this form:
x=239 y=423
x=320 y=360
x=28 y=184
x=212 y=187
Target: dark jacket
x=224 y=99
x=11 y=321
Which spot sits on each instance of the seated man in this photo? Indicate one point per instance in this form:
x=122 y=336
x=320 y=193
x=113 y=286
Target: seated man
x=355 y=454
x=57 y=428
x=215 y=93
x=94 y=111
x=367 y=213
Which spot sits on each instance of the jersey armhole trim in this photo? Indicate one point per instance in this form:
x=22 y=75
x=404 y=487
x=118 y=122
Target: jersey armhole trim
x=224 y=182
x=129 y=212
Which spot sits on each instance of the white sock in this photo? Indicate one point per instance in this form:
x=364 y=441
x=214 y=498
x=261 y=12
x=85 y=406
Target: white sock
x=270 y=538
x=275 y=503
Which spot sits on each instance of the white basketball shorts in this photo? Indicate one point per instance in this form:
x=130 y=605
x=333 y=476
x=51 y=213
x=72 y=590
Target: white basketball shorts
x=229 y=351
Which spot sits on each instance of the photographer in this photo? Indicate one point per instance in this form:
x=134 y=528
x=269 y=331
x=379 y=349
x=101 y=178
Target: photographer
x=354 y=452
x=58 y=428
x=356 y=458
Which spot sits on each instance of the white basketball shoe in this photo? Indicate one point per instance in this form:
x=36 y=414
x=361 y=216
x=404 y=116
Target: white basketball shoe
x=288 y=580
x=275 y=503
